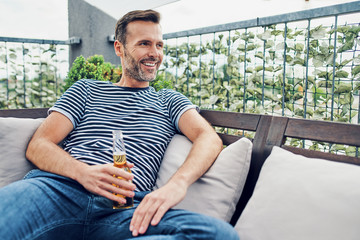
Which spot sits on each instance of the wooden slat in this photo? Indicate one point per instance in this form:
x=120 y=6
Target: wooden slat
x=234 y=120
x=257 y=159
x=269 y=133
x=276 y=133
x=331 y=132
x=323 y=155
x=228 y=139
x=24 y=113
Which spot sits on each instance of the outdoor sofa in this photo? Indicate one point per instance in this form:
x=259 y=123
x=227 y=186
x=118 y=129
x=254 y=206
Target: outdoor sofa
x=264 y=188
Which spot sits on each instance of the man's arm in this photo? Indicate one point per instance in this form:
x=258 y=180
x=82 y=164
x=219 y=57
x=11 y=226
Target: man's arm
x=44 y=152
x=206 y=147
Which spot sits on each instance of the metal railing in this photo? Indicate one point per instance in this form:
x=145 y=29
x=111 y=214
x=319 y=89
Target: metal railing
x=32 y=71
x=303 y=64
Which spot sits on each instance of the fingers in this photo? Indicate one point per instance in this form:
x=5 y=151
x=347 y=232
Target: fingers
x=150 y=211
x=114 y=197
x=106 y=179
x=111 y=170
x=159 y=214
x=154 y=206
x=121 y=187
x=129 y=165
x=116 y=180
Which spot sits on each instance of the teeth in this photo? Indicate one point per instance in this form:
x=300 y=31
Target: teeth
x=149 y=64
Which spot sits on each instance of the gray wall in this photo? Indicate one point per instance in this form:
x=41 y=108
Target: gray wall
x=93 y=26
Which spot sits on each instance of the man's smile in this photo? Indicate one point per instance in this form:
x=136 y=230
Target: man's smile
x=151 y=63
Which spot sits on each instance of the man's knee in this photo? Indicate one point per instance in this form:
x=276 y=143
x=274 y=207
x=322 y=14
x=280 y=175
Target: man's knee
x=198 y=226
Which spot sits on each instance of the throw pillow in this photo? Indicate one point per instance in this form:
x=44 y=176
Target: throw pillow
x=303 y=198
x=14 y=138
x=217 y=192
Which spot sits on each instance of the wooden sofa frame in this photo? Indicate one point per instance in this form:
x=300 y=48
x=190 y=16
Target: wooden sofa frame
x=269 y=131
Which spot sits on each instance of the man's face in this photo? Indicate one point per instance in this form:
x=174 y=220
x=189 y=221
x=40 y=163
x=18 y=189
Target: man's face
x=143 y=52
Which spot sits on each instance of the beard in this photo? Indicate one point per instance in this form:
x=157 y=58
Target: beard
x=134 y=70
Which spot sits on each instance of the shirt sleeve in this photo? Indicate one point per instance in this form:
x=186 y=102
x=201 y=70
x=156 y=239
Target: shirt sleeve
x=177 y=105
x=72 y=103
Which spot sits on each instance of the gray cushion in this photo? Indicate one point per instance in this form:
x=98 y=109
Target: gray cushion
x=303 y=198
x=15 y=134
x=218 y=190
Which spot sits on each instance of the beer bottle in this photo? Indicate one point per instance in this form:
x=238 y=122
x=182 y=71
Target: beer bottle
x=119 y=156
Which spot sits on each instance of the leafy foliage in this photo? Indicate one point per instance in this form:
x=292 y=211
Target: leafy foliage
x=274 y=70
x=95 y=67
x=283 y=69
x=161 y=81
x=31 y=75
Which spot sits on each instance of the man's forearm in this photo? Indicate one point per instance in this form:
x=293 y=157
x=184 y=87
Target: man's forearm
x=206 y=147
x=43 y=149
x=203 y=153
x=50 y=157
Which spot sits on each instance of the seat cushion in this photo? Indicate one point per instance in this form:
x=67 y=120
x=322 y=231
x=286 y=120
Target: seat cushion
x=300 y=198
x=218 y=190
x=14 y=138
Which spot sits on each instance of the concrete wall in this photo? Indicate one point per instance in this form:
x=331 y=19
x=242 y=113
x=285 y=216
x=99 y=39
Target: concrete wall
x=93 y=26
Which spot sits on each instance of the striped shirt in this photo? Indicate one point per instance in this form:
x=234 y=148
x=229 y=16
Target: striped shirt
x=148 y=119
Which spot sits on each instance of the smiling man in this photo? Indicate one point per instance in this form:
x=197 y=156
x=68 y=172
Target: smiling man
x=71 y=195
x=141 y=52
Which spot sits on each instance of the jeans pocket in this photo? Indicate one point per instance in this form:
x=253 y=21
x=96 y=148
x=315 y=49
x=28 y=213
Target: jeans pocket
x=31 y=173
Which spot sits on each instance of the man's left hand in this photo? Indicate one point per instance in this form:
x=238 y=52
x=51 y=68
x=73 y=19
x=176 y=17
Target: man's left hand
x=154 y=205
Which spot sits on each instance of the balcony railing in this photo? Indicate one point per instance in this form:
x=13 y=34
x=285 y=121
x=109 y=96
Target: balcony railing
x=32 y=71
x=304 y=64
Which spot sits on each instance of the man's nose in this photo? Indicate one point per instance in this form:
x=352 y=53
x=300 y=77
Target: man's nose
x=154 y=51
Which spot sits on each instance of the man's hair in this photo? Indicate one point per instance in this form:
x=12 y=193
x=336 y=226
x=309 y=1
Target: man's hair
x=137 y=15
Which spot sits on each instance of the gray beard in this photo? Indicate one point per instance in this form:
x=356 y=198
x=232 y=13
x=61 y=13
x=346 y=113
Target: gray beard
x=139 y=76
x=134 y=71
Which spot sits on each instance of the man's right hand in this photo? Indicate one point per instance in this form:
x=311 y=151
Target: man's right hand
x=99 y=179
x=44 y=152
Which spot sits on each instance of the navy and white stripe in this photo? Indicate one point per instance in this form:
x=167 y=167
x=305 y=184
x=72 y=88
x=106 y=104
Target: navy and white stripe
x=148 y=119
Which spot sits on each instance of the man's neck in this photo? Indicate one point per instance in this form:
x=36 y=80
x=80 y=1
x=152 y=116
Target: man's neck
x=132 y=83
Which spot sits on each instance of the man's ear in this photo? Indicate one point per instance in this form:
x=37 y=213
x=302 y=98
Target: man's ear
x=119 y=48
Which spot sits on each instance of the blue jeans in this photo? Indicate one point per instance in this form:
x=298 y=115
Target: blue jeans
x=49 y=206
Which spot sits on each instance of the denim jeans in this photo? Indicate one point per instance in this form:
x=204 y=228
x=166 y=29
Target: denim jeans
x=49 y=206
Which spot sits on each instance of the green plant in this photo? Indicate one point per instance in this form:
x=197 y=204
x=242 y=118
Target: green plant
x=292 y=71
x=162 y=80
x=93 y=67
x=31 y=75
x=263 y=71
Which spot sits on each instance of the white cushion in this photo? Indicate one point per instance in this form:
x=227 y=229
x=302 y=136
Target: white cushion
x=15 y=134
x=299 y=198
x=218 y=190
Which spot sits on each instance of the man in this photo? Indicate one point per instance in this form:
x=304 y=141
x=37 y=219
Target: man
x=72 y=195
